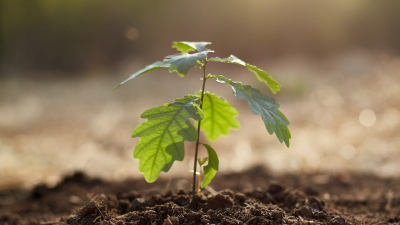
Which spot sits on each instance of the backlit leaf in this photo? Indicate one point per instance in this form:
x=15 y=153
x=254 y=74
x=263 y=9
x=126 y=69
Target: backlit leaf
x=219 y=117
x=181 y=63
x=212 y=167
x=186 y=46
x=162 y=135
x=230 y=59
x=261 y=74
x=267 y=107
x=154 y=66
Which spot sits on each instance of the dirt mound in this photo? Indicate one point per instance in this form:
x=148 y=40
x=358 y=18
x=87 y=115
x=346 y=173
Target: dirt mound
x=275 y=205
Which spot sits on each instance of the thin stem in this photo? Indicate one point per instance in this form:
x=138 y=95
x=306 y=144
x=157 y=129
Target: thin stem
x=198 y=182
x=198 y=133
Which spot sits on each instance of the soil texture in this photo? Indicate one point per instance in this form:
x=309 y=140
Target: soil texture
x=255 y=196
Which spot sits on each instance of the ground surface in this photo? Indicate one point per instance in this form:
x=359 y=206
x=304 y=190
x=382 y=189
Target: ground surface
x=56 y=125
x=255 y=196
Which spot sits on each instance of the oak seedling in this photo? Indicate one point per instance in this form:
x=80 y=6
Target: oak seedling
x=163 y=134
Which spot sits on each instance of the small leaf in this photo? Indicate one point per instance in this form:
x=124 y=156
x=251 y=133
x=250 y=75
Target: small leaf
x=267 y=107
x=202 y=161
x=212 y=167
x=154 y=66
x=264 y=76
x=181 y=63
x=261 y=74
x=162 y=135
x=186 y=46
x=230 y=59
x=219 y=117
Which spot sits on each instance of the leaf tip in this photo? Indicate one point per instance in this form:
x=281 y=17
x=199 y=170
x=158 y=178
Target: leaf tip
x=149 y=179
x=115 y=88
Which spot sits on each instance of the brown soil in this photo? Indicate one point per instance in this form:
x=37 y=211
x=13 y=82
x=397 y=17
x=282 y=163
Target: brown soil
x=253 y=197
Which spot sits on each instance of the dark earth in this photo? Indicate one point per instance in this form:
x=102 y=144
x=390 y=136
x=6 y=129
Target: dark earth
x=255 y=196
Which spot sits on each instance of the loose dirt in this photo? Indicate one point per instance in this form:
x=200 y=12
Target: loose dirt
x=252 y=197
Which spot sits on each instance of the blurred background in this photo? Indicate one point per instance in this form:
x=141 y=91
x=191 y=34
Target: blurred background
x=338 y=63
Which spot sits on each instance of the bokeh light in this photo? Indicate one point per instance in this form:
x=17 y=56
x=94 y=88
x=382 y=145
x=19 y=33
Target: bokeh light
x=367 y=118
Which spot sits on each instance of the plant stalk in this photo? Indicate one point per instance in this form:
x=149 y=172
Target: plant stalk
x=198 y=182
x=198 y=133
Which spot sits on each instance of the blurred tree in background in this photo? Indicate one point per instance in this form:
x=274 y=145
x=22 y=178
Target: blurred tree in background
x=75 y=35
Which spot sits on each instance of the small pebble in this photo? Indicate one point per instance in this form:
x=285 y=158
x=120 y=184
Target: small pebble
x=306 y=212
x=205 y=221
x=171 y=221
x=277 y=214
x=240 y=198
x=73 y=199
x=275 y=188
x=338 y=220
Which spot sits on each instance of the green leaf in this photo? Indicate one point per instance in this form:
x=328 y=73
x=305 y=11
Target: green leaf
x=181 y=63
x=219 y=117
x=267 y=107
x=265 y=77
x=154 y=66
x=261 y=74
x=212 y=167
x=202 y=161
x=162 y=135
x=186 y=46
x=230 y=59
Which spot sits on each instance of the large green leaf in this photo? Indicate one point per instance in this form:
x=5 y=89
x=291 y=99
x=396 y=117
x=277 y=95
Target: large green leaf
x=186 y=46
x=219 y=117
x=261 y=74
x=148 y=68
x=162 y=135
x=181 y=63
x=267 y=107
x=212 y=167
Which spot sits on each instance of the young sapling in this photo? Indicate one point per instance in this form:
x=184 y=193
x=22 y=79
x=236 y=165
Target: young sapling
x=162 y=135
